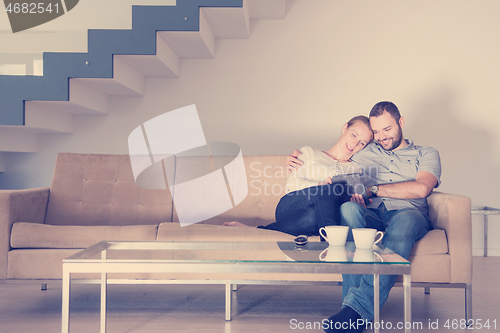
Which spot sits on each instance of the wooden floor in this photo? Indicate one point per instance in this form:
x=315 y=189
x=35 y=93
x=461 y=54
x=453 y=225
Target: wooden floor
x=190 y=308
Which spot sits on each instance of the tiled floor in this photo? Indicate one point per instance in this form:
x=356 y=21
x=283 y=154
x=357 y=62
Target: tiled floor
x=191 y=308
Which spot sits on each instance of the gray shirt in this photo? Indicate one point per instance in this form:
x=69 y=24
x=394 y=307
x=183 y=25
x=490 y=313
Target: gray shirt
x=389 y=167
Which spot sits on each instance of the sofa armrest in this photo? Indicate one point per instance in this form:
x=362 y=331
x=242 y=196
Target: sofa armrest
x=19 y=206
x=452 y=213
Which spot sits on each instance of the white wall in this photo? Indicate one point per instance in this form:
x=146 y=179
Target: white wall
x=296 y=81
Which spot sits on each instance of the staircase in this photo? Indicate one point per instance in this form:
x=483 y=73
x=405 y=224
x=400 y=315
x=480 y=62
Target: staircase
x=117 y=63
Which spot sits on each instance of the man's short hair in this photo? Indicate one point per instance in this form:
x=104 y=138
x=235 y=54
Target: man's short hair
x=390 y=107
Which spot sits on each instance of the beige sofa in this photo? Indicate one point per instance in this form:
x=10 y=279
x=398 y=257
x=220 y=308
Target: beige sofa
x=94 y=197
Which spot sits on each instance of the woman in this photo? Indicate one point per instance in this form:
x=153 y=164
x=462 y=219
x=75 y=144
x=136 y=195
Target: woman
x=313 y=200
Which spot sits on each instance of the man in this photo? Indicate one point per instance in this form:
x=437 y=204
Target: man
x=406 y=175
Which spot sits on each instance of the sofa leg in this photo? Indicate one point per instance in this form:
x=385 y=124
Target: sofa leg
x=427 y=290
x=468 y=302
x=44 y=286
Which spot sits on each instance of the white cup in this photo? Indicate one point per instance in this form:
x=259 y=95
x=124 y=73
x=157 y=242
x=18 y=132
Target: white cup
x=335 y=235
x=365 y=238
x=333 y=253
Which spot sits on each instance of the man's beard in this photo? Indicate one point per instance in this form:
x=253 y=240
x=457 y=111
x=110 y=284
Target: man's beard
x=397 y=141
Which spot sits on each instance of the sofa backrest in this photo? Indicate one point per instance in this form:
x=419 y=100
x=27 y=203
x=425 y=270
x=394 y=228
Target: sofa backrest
x=266 y=177
x=99 y=189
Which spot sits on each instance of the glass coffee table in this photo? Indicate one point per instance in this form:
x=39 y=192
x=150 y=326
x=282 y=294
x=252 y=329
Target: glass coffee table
x=220 y=262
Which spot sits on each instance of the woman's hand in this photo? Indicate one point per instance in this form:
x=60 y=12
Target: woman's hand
x=292 y=162
x=326 y=181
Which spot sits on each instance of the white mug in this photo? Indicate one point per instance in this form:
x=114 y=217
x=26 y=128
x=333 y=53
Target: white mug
x=365 y=238
x=335 y=235
x=333 y=253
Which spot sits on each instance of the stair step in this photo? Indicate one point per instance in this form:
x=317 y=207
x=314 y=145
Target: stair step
x=18 y=139
x=192 y=44
x=228 y=23
x=47 y=118
x=267 y=9
x=125 y=82
x=165 y=63
x=84 y=99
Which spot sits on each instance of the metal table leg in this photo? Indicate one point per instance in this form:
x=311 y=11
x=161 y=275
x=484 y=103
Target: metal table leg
x=66 y=290
x=407 y=301
x=228 y=301
x=104 y=289
x=104 y=285
x=485 y=221
x=376 y=303
x=485 y=211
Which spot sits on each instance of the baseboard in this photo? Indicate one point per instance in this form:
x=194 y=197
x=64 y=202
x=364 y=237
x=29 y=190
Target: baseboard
x=479 y=252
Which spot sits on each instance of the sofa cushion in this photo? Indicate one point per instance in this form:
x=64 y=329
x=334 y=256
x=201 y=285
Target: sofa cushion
x=36 y=235
x=169 y=231
x=37 y=263
x=434 y=242
x=99 y=189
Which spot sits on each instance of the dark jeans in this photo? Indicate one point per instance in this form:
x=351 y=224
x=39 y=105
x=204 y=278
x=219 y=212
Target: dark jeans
x=304 y=212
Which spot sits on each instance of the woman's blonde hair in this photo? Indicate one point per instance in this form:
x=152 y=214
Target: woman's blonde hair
x=362 y=119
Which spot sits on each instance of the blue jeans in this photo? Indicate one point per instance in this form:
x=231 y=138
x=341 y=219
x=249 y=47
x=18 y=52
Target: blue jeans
x=402 y=229
x=304 y=212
